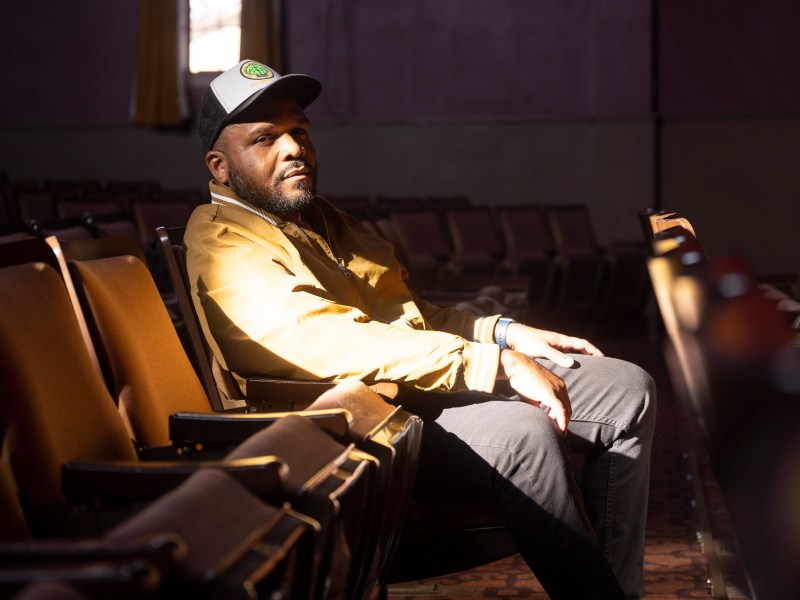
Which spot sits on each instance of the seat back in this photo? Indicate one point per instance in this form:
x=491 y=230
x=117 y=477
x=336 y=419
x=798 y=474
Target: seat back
x=152 y=374
x=264 y=394
x=150 y=214
x=237 y=545
x=582 y=268
x=423 y=244
x=477 y=246
x=664 y=220
x=359 y=207
x=334 y=484
x=89 y=250
x=572 y=230
x=393 y=436
x=36 y=206
x=104 y=247
x=390 y=204
x=49 y=251
x=525 y=231
x=529 y=250
x=219 y=384
x=80 y=207
x=55 y=407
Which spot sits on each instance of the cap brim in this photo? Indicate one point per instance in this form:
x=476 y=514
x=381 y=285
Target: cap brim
x=303 y=88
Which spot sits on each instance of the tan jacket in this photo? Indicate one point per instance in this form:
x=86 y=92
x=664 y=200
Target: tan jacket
x=281 y=300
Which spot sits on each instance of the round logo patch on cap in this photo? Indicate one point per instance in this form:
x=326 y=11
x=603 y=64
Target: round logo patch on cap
x=255 y=70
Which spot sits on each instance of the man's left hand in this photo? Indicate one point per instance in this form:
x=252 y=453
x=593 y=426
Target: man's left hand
x=540 y=343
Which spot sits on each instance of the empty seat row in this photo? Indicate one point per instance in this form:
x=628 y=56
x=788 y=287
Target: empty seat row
x=81 y=209
x=552 y=253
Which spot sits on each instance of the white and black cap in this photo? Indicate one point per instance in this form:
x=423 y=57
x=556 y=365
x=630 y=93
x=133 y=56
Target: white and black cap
x=238 y=88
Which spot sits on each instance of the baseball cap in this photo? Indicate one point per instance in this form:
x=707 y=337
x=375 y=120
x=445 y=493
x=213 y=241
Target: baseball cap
x=238 y=88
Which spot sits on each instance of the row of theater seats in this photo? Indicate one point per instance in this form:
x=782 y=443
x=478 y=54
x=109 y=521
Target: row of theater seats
x=172 y=485
x=88 y=209
x=546 y=259
x=735 y=354
x=539 y=264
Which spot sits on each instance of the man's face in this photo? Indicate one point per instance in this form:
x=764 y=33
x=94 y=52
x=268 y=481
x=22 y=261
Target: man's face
x=271 y=161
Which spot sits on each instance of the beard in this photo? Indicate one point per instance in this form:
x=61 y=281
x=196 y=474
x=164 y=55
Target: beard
x=269 y=197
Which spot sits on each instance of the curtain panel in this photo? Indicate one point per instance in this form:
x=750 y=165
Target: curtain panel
x=159 y=97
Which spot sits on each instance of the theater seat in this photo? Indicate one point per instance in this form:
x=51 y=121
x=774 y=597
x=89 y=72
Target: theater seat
x=154 y=380
x=57 y=409
x=57 y=415
x=263 y=393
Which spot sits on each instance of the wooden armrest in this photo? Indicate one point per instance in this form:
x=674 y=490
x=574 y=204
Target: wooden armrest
x=270 y=395
x=387 y=389
x=162 y=550
x=134 y=578
x=130 y=481
x=222 y=428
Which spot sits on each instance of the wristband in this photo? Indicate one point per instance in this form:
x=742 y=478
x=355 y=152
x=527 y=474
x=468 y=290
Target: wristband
x=500 y=332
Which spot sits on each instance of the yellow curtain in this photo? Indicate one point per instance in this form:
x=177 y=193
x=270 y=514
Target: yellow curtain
x=158 y=97
x=260 y=33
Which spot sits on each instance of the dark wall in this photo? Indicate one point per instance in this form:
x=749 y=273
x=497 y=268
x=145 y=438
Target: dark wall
x=507 y=101
x=67 y=63
x=729 y=58
x=73 y=62
x=476 y=58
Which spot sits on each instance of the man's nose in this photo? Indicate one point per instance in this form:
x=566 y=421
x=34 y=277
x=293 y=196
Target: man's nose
x=291 y=147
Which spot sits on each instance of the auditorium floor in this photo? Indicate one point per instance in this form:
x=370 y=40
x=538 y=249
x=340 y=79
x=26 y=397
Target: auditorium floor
x=675 y=565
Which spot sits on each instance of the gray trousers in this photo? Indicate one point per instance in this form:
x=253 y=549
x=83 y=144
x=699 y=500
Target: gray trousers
x=579 y=539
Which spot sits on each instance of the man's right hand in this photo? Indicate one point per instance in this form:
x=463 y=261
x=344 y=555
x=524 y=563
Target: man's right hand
x=537 y=385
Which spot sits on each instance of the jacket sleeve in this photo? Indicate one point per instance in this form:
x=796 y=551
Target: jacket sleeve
x=264 y=319
x=459 y=322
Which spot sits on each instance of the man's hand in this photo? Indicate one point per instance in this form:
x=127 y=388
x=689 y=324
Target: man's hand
x=536 y=385
x=539 y=343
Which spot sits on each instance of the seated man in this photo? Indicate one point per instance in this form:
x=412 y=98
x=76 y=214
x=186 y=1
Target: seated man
x=288 y=286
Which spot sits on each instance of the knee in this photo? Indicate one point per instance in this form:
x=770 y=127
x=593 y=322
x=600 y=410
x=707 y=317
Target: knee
x=531 y=437
x=642 y=391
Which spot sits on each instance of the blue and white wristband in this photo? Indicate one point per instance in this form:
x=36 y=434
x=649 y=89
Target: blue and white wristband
x=500 y=331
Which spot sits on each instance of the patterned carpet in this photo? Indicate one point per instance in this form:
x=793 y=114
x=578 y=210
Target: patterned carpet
x=675 y=566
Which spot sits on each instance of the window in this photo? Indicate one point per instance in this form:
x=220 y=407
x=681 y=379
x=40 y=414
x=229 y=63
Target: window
x=214 y=34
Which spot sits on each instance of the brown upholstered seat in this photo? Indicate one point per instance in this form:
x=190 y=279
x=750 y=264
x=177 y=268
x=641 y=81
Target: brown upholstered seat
x=57 y=412
x=477 y=246
x=529 y=252
x=152 y=375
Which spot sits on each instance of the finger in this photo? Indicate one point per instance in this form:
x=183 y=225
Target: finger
x=589 y=348
x=558 y=357
x=561 y=419
x=582 y=346
x=557 y=411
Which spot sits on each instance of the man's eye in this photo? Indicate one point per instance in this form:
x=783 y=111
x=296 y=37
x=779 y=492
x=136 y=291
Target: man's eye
x=264 y=139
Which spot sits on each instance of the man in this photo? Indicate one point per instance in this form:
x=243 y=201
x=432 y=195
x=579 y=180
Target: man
x=286 y=285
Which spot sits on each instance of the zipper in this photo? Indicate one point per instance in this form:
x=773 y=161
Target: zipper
x=328 y=249
x=327 y=240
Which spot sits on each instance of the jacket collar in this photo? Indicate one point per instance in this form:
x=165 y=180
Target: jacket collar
x=227 y=197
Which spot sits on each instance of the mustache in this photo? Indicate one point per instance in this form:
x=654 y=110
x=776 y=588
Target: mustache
x=297 y=164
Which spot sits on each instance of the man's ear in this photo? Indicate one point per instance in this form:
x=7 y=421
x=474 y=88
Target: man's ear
x=217 y=163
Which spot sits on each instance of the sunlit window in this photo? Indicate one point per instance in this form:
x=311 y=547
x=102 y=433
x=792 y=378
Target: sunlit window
x=214 y=34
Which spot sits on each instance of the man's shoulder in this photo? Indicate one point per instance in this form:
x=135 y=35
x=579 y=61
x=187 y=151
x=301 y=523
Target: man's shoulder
x=220 y=220
x=218 y=234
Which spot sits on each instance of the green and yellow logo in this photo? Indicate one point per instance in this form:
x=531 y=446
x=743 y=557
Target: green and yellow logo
x=255 y=70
